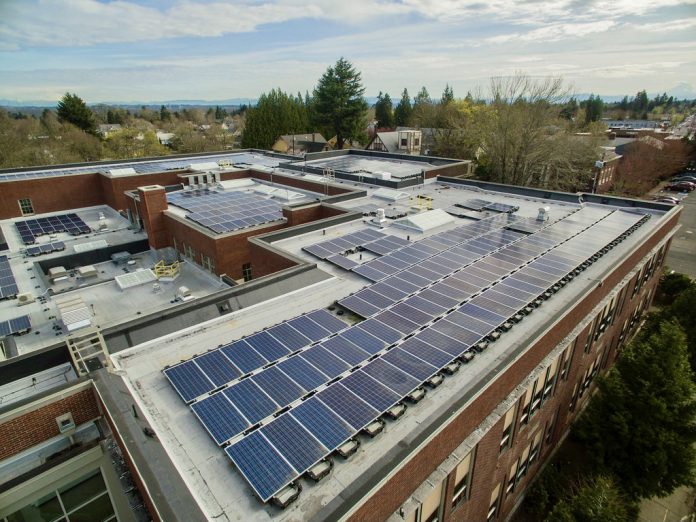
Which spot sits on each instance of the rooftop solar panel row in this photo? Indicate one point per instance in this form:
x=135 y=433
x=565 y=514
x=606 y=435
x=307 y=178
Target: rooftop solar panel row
x=291 y=445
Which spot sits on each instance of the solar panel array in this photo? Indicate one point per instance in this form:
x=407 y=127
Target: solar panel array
x=149 y=167
x=18 y=325
x=328 y=392
x=358 y=166
x=8 y=284
x=368 y=239
x=415 y=253
x=30 y=229
x=330 y=247
x=482 y=204
x=38 y=250
x=226 y=211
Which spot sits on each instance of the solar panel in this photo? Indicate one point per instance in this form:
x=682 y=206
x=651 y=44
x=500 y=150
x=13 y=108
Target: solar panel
x=323 y=423
x=8 y=284
x=409 y=364
x=294 y=442
x=344 y=349
x=188 y=380
x=342 y=261
x=217 y=367
x=16 y=326
x=39 y=250
x=30 y=229
x=267 y=345
x=290 y=337
x=243 y=356
x=348 y=406
x=375 y=394
x=309 y=328
x=391 y=376
x=261 y=464
x=303 y=373
x=250 y=400
x=278 y=386
x=222 y=420
x=324 y=361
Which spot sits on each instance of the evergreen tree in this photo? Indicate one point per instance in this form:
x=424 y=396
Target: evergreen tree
x=220 y=113
x=384 y=111
x=275 y=114
x=72 y=109
x=402 y=113
x=569 y=110
x=339 y=106
x=165 y=115
x=447 y=95
x=594 y=107
x=641 y=426
x=422 y=98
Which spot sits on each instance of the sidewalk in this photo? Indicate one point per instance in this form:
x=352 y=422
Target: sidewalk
x=678 y=507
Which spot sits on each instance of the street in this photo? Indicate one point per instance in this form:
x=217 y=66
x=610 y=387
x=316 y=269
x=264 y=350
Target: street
x=682 y=254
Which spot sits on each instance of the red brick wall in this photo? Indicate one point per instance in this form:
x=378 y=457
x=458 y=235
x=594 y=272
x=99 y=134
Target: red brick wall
x=51 y=194
x=39 y=425
x=488 y=469
x=153 y=203
x=311 y=213
x=114 y=188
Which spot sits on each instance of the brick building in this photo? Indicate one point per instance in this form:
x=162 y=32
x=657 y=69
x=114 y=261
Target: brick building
x=467 y=346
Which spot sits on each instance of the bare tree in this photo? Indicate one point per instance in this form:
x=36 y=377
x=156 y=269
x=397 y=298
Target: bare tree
x=516 y=134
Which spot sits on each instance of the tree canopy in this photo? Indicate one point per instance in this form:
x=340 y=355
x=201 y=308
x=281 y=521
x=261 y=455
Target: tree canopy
x=275 y=114
x=595 y=500
x=402 y=113
x=72 y=109
x=384 y=111
x=641 y=426
x=338 y=104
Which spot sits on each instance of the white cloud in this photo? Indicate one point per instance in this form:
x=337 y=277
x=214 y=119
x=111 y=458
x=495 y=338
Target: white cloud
x=88 y=22
x=555 y=32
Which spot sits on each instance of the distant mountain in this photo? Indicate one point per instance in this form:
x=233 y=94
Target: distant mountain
x=682 y=90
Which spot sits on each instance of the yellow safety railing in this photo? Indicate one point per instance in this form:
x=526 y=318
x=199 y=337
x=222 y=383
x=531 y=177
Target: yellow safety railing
x=163 y=270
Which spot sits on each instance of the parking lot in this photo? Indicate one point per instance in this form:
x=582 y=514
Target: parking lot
x=682 y=254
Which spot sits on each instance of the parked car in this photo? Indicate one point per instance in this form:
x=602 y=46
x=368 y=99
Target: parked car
x=668 y=199
x=684 y=176
x=682 y=186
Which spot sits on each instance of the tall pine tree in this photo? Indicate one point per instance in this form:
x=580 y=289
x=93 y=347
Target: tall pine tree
x=338 y=103
x=402 y=113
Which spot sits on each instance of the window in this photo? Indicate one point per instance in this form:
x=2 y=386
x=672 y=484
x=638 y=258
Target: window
x=507 y=429
x=246 y=272
x=574 y=398
x=83 y=499
x=588 y=341
x=524 y=461
x=26 y=207
x=189 y=252
x=536 y=397
x=207 y=263
x=512 y=477
x=527 y=401
x=636 y=287
x=462 y=479
x=550 y=379
x=567 y=360
x=495 y=502
x=550 y=426
x=536 y=445
x=404 y=142
x=431 y=507
x=416 y=142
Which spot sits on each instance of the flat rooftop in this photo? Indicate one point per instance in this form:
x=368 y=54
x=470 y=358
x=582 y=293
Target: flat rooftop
x=150 y=166
x=96 y=288
x=430 y=298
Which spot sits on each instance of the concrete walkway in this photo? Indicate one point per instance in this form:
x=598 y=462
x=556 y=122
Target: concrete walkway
x=678 y=507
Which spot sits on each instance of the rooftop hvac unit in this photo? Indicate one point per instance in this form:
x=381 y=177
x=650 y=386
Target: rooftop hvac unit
x=65 y=422
x=25 y=298
x=543 y=214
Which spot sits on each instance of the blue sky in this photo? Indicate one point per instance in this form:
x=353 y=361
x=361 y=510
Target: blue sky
x=152 y=50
